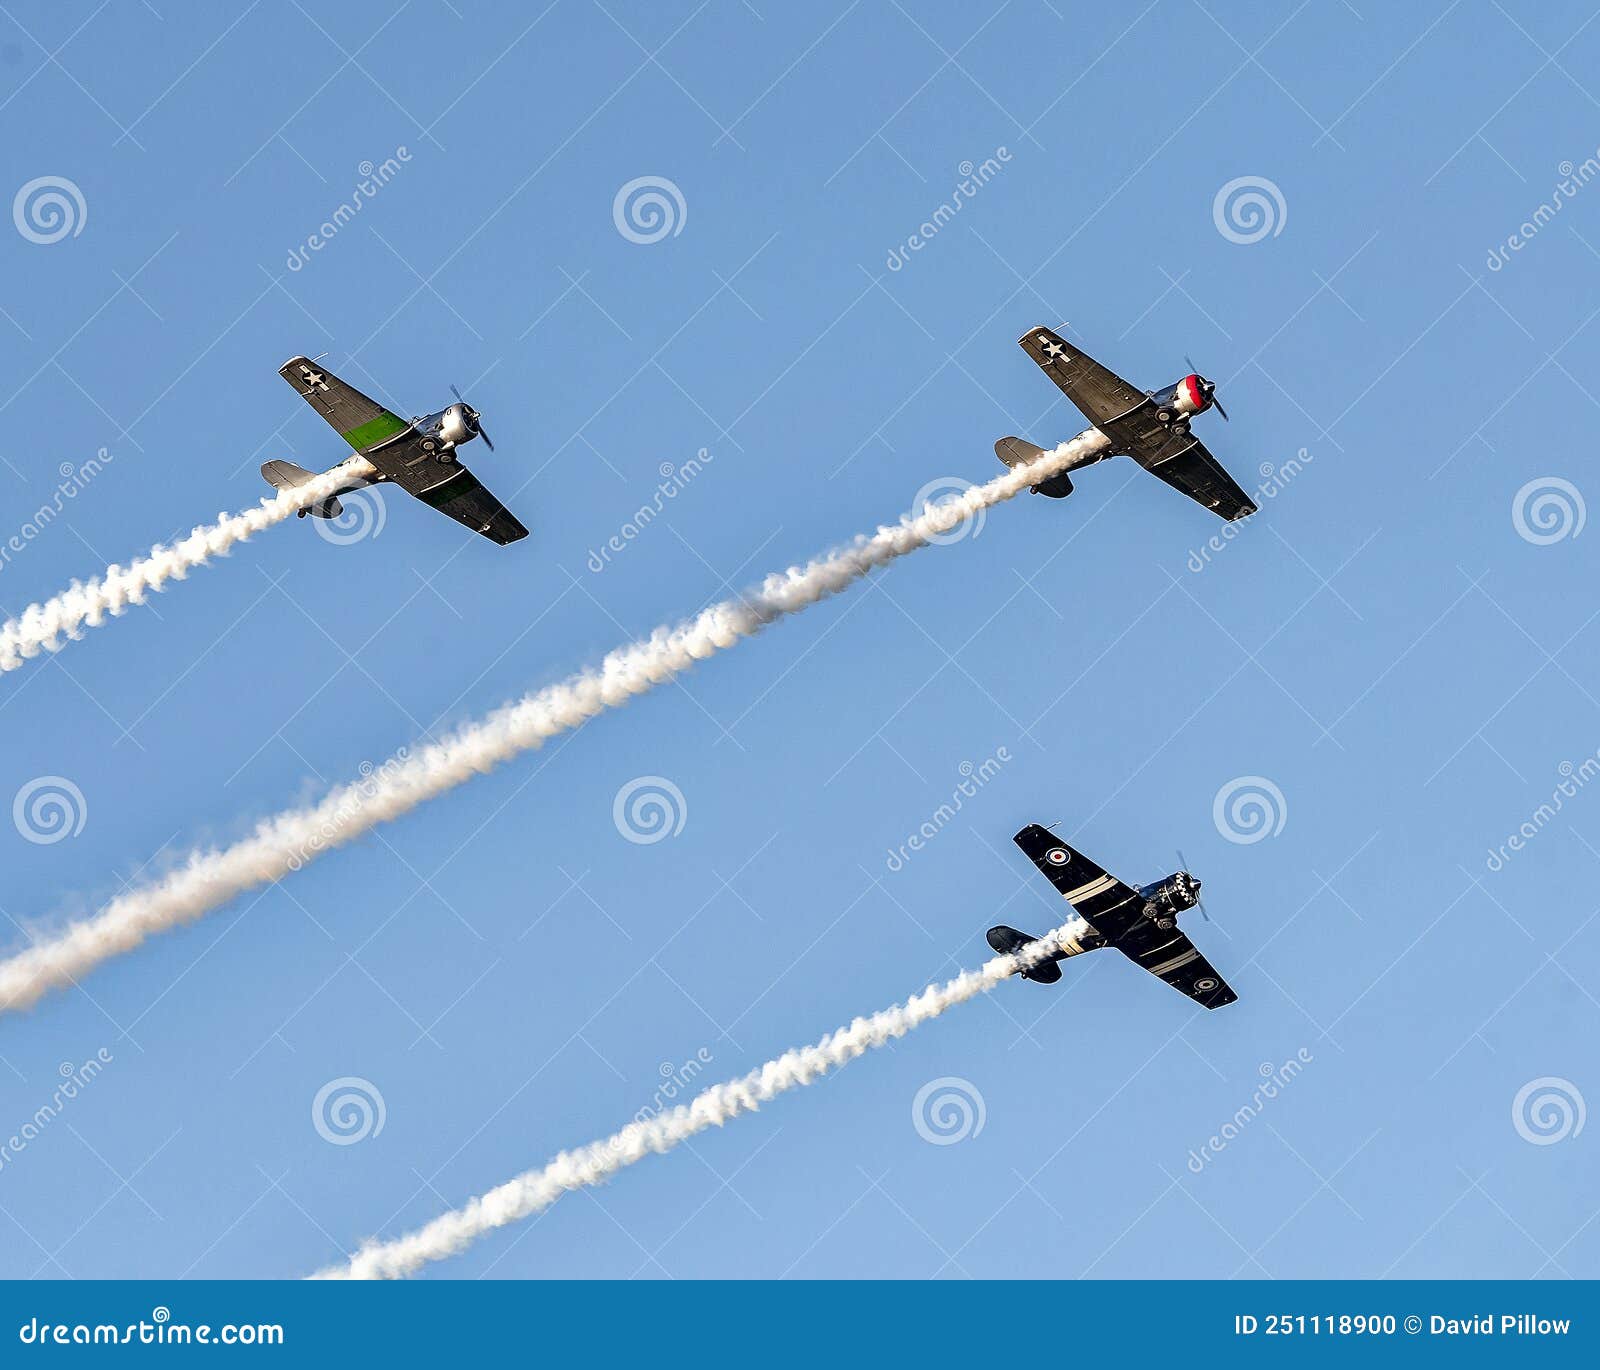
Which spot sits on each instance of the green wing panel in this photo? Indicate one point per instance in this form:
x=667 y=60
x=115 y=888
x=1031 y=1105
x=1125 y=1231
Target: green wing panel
x=361 y=422
x=467 y=500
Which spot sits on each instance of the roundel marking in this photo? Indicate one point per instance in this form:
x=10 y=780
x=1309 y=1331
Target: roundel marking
x=1056 y=856
x=1205 y=984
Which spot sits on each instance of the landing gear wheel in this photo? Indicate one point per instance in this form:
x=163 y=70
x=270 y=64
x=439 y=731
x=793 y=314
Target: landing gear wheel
x=445 y=458
x=1164 y=415
x=1165 y=924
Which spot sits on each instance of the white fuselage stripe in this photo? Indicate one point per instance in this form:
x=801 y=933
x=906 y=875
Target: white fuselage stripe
x=1099 y=885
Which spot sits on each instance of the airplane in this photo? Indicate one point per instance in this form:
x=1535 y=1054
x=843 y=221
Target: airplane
x=1141 y=922
x=419 y=456
x=1151 y=426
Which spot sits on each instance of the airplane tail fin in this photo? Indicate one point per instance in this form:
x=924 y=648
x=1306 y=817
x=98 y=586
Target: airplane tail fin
x=285 y=475
x=1016 y=452
x=1008 y=940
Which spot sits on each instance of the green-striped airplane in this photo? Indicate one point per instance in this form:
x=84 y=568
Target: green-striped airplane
x=419 y=456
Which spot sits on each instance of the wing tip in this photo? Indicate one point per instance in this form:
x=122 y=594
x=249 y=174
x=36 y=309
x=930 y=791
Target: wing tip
x=1033 y=335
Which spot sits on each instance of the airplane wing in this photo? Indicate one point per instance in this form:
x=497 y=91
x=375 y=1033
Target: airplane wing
x=1100 y=393
x=1172 y=957
x=393 y=446
x=462 y=496
x=1107 y=905
x=361 y=422
x=1187 y=467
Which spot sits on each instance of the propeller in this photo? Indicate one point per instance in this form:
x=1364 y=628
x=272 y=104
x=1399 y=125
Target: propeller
x=1184 y=866
x=477 y=422
x=1210 y=387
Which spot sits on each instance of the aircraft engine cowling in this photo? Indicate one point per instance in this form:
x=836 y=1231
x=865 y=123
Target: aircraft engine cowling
x=458 y=423
x=1176 y=893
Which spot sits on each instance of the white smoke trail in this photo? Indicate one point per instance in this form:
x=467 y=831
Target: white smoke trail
x=40 y=627
x=535 y=1190
x=286 y=842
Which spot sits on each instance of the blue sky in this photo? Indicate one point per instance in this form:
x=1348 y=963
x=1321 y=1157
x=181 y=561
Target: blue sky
x=1383 y=645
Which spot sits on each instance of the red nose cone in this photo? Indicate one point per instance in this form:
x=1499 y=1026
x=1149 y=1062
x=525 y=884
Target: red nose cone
x=1197 y=395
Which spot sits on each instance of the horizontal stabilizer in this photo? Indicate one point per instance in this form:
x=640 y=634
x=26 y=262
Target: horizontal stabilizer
x=285 y=475
x=1008 y=941
x=1017 y=452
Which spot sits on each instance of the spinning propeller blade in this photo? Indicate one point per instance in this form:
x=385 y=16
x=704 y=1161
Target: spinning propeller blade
x=1210 y=389
x=1184 y=866
x=477 y=421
